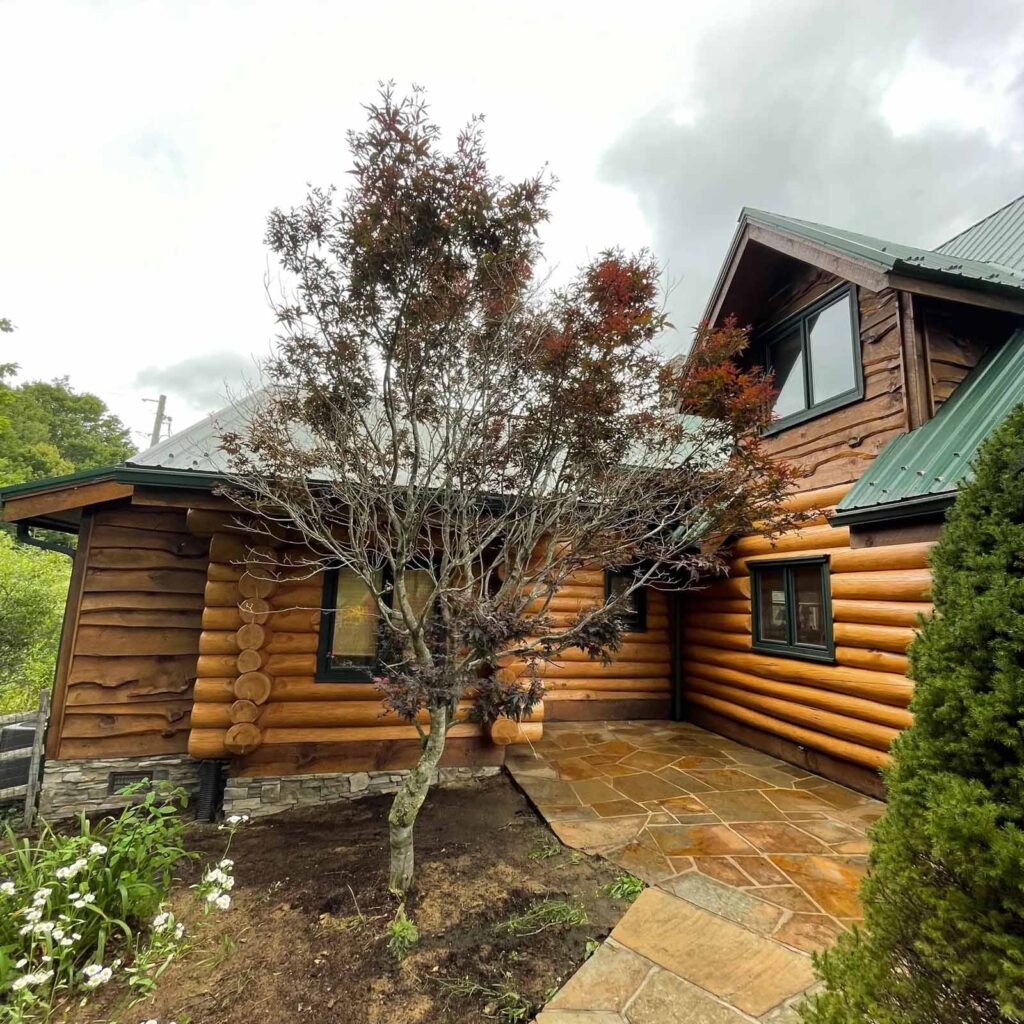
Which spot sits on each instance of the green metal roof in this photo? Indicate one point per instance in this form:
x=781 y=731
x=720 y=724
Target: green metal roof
x=998 y=239
x=923 y=469
x=892 y=256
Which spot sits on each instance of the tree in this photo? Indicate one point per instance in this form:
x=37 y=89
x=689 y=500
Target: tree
x=48 y=429
x=943 y=938
x=33 y=586
x=477 y=439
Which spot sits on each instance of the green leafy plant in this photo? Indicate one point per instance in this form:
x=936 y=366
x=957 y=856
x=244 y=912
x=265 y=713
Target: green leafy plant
x=69 y=901
x=625 y=887
x=549 y=848
x=592 y=946
x=547 y=913
x=402 y=935
x=943 y=936
x=502 y=1002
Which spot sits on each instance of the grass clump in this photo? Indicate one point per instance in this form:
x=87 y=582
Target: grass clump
x=625 y=887
x=547 y=913
x=549 y=848
x=501 y=1002
x=402 y=935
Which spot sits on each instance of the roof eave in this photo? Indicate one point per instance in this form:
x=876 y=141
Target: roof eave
x=926 y=506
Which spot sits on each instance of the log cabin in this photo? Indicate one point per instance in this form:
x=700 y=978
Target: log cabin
x=892 y=364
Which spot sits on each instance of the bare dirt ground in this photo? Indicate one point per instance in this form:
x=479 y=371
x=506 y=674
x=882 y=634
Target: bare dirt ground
x=306 y=937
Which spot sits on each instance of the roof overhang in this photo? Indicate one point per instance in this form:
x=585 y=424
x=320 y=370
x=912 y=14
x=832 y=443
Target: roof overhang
x=873 y=274
x=57 y=503
x=930 y=506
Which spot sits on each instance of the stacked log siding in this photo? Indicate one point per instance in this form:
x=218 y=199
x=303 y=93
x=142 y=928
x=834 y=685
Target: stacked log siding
x=852 y=709
x=132 y=638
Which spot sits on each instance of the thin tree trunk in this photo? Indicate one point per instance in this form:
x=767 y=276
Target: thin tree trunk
x=409 y=799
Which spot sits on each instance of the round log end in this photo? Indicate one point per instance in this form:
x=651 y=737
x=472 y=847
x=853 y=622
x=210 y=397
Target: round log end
x=256 y=584
x=244 y=711
x=504 y=731
x=249 y=661
x=255 y=610
x=253 y=686
x=251 y=636
x=243 y=738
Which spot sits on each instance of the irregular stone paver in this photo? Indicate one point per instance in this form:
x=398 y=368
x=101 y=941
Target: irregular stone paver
x=606 y=981
x=745 y=970
x=766 y=850
x=666 y=999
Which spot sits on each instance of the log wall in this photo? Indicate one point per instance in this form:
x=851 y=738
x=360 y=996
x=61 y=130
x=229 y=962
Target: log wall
x=128 y=664
x=850 y=710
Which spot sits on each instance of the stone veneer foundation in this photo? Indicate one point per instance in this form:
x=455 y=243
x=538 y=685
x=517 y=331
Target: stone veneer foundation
x=70 y=786
x=259 y=795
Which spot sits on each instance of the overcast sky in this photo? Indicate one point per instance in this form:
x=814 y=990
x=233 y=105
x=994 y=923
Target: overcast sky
x=142 y=145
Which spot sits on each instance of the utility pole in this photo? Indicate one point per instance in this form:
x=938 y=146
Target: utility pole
x=158 y=420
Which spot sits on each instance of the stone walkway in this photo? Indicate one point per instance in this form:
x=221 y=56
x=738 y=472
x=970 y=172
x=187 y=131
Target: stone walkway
x=753 y=864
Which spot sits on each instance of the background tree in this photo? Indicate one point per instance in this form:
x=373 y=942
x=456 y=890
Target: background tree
x=46 y=429
x=943 y=938
x=482 y=434
x=49 y=429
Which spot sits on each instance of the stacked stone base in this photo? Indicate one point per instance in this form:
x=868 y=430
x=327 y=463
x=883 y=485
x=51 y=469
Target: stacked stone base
x=70 y=786
x=259 y=795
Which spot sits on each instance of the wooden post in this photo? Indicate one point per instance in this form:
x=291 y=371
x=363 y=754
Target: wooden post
x=35 y=765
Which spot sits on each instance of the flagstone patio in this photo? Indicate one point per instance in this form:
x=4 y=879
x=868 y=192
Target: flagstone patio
x=754 y=865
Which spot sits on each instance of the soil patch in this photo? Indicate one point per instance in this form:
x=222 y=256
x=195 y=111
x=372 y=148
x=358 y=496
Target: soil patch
x=306 y=937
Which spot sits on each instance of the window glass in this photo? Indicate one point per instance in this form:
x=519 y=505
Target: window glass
x=419 y=584
x=771 y=595
x=787 y=363
x=830 y=340
x=810 y=611
x=633 y=610
x=356 y=620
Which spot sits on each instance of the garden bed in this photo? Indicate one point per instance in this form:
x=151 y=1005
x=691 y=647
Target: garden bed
x=307 y=934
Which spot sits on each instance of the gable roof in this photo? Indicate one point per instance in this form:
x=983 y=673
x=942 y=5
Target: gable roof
x=920 y=472
x=966 y=263
x=997 y=239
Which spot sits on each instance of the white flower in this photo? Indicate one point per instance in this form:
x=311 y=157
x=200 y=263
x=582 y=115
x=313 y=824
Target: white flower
x=179 y=930
x=160 y=921
x=7 y=888
x=32 y=913
x=65 y=942
x=69 y=872
x=21 y=963
x=96 y=975
x=41 y=895
x=44 y=927
x=58 y=933
x=213 y=895
x=234 y=820
x=150 y=1021
x=226 y=864
x=84 y=898
x=216 y=876
x=76 y=936
x=28 y=980
x=97 y=850
x=223 y=901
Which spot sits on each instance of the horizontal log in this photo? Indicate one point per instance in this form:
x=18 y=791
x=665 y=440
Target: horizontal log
x=132 y=600
x=86 y=725
x=214 y=691
x=205 y=523
x=290 y=664
x=827 y=700
x=221 y=572
x=727 y=623
x=875 y=661
x=605 y=695
x=145 y=581
x=791 y=541
x=308 y=596
x=868 y=734
x=217 y=642
x=142 y=519
x=727 y=589
x=642 y=683
x=880 y=638
x=124 y=746
x=315 y=714
x=229 y=548
x=103 y=671
x=105 y=535
x=117 y=641
x=593 y=669
x=824 y=497
x=715 y=638
x=881 y=686
x=625 y=653
x=172 y=709
x=882 y=613
x=221 y=594
x=893 y=585
x=831 y=745
x=891 y=556
x=160 y=618
x=142 y=558
x=279 y=642
x=135 y=691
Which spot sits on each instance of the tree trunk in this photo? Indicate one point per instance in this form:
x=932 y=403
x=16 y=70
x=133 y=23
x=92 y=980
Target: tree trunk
x=408 y=801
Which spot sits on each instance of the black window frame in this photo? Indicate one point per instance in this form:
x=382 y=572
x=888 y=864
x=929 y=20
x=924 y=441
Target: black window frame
x=790 y=648
x=325 y=671
x=800 y=319
x=637 y=622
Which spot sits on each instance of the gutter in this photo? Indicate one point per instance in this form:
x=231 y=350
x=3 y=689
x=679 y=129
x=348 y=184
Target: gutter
x=124 y=474
x=909 y=508
x=23 y=535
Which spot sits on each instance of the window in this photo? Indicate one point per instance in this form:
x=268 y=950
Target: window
x=815 y=356
x=634 y=610
x=350 y=623
x=792 y=609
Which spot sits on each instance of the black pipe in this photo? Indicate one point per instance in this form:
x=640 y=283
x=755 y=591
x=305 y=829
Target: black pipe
x=24 y=536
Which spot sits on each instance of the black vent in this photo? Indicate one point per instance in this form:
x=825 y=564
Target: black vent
x=116 y=781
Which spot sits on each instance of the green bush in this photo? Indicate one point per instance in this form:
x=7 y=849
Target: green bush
x=33 y=588
x=75 y=907
x=943 y=941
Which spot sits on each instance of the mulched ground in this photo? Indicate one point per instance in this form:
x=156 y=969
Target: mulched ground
x=306 y=937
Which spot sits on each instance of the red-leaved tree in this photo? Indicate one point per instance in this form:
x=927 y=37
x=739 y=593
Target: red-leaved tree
x=461 y=441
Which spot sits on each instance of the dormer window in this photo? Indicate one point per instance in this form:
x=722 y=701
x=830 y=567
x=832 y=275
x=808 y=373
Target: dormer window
x=815 y=356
